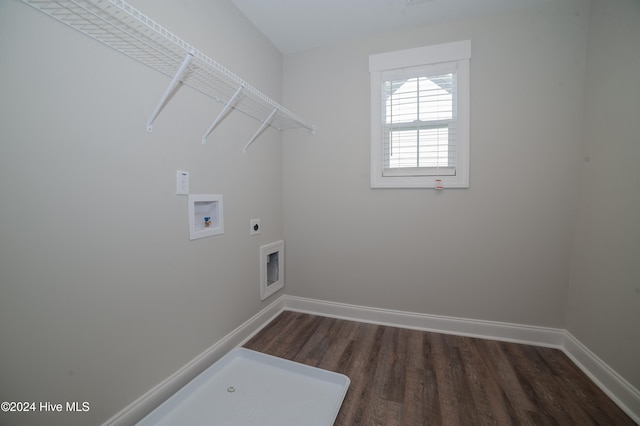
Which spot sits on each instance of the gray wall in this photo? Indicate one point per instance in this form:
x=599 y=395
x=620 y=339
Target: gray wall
x=604 y=296
x=548 y=232
x=102 y=295
x=499 y=250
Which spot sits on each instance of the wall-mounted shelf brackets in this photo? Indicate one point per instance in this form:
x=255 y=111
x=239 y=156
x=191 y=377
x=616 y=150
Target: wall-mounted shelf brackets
x=124 y=28
x=221 y=115
x=265 y=123
x=169 y=91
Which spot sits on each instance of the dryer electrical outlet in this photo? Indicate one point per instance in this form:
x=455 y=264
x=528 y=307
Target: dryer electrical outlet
x=255 y=227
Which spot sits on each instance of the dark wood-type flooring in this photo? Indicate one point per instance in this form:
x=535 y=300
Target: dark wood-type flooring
x=409 y=377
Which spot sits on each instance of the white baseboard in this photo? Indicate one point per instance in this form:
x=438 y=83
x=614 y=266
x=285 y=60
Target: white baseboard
x=142 y=406
x=618 y=389
x=615 y=386
x=540 y=336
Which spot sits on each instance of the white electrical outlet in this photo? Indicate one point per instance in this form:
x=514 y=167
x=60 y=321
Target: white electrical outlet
x=255 y=227
x=182 y=183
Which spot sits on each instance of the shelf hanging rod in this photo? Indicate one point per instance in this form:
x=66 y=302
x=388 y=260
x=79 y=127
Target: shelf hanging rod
x=222 y=113
x=265 y=123
x=167 y=93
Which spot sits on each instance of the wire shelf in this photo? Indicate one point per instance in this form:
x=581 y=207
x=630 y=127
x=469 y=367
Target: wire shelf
x=124 y=28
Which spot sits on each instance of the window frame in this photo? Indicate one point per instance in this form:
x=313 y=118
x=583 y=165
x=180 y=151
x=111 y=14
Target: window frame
x=383 y=64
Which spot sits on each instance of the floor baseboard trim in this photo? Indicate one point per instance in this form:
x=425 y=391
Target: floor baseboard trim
x=616 y=387
x=540 y=336
x=142 y=406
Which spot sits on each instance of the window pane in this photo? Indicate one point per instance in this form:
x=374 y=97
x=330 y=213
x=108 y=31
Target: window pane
x=434 y=148
x=435 y=98
x=401 y=105
x=419 y=147
x=404 y=151
x=424 y=98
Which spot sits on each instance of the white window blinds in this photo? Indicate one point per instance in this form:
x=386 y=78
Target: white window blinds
x=420 y=117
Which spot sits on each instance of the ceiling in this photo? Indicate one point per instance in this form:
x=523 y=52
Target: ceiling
x=296 y=25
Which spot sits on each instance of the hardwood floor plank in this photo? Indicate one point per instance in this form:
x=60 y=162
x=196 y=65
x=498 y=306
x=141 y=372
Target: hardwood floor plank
x=479 y=380
x=391 y=365
x=443 y=366
x=421 y=392
x=318 y=343
x=410 y=377
x=536 y=379
x=469 y=412
x=363 y=365
x=499 y=405
x=507 y=379
x=342 y=348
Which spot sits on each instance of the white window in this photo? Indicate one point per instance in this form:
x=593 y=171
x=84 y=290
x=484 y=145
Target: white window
x=420 y=117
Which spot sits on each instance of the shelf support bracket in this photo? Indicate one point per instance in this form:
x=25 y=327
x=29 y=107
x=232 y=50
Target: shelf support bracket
x=170 y=89
x=221 y=115
x=265 y=123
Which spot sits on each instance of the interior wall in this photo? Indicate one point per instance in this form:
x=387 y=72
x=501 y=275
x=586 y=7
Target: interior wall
x=102 y=294
x=499 y=250
x=604 y=296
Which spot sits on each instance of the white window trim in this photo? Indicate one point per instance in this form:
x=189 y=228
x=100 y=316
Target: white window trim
x=459 y=52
